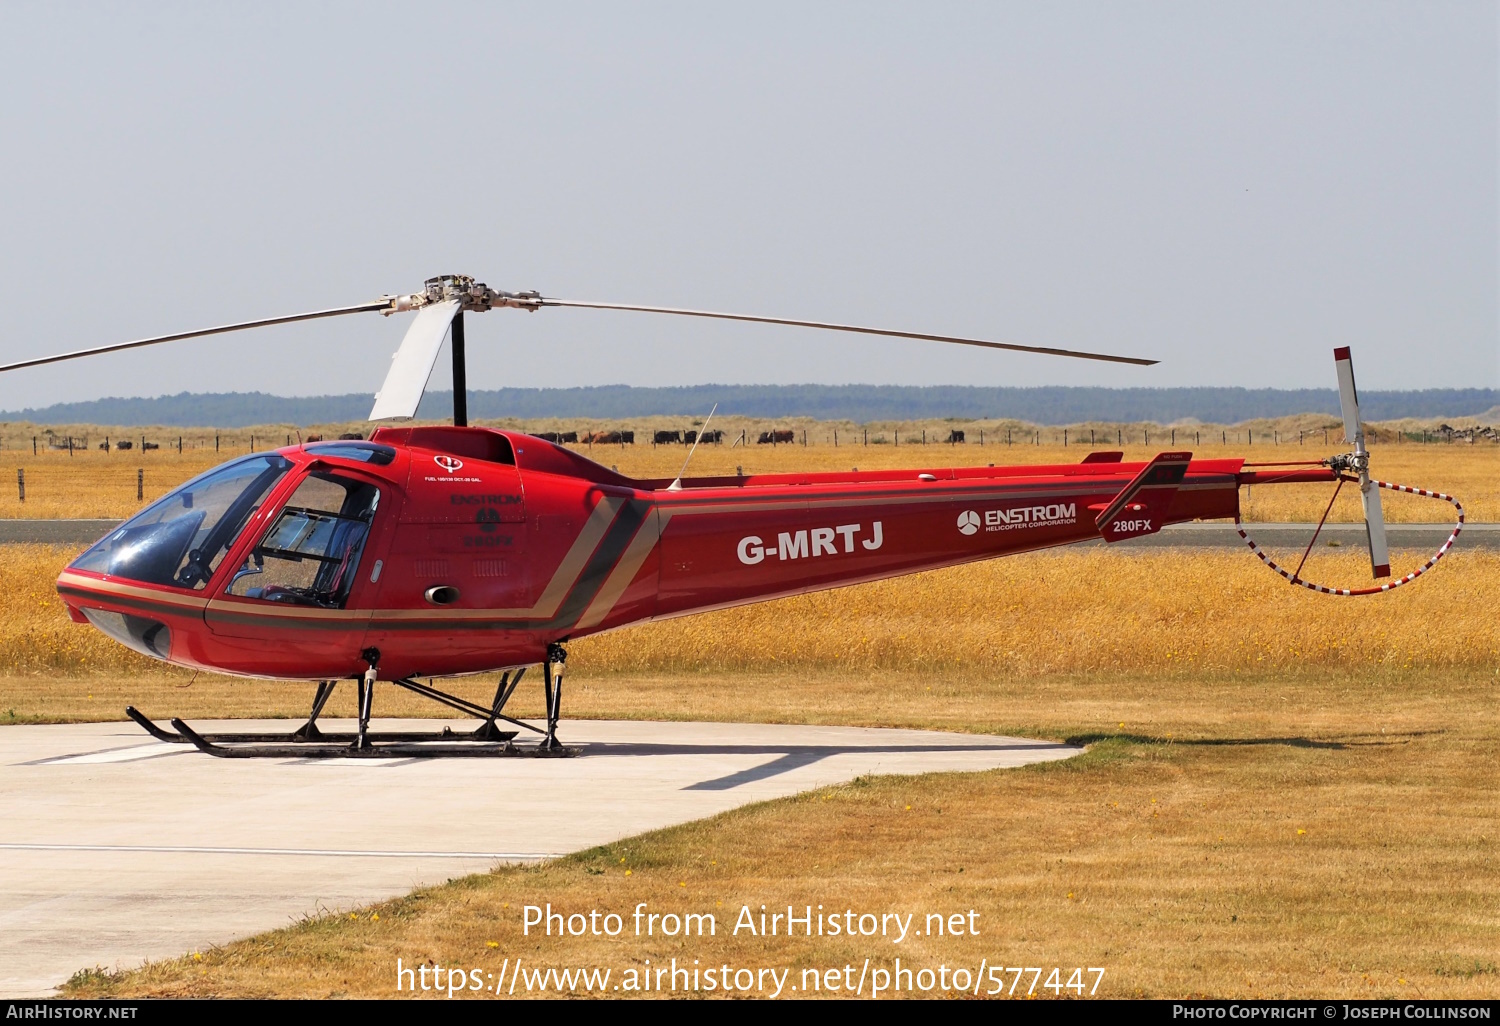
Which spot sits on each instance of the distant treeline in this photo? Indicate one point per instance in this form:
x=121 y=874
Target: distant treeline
x=859 y=403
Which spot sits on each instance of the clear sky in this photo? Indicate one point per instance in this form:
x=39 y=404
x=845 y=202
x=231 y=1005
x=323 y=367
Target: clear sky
x=1232 y=188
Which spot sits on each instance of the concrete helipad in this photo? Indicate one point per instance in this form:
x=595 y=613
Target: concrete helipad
x=115 y=848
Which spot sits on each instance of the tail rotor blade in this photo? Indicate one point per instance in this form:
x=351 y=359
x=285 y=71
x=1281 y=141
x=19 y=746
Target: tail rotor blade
x=1354 y=431
x=1369 y=492
x=1380 y=556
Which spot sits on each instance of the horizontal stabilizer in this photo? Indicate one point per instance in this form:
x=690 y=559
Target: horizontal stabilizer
x=1140 y=507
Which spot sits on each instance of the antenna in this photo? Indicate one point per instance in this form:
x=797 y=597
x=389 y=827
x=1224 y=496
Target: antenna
x=676 y=485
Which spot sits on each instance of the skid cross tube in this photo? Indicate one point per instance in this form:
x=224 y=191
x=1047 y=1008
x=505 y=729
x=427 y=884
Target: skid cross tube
x=552 y=692
x=309 y=731
x=465 y=706
x=310 y=742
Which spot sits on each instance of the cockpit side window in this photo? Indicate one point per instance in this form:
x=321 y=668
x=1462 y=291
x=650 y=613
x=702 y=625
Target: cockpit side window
x=181 y=538
x=310 y=556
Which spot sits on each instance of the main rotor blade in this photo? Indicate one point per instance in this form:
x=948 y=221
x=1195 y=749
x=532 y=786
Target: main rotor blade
x=1048 y=351
x=380 y=304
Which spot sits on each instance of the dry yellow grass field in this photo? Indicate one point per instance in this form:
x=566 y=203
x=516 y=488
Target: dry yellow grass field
x=1287 y=794
x=1078 y=611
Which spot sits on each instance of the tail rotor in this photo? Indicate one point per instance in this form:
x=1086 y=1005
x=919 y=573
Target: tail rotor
x=1359 y=463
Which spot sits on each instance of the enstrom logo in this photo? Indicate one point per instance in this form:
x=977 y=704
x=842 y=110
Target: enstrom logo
x=448 y=463
x=968 y=522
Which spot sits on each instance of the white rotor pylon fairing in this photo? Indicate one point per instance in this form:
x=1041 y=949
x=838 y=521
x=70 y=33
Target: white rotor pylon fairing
x=412 y=362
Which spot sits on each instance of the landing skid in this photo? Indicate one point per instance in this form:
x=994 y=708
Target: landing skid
x=309 y=742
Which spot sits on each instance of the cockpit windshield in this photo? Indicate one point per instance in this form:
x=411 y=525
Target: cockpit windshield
x=180 y=539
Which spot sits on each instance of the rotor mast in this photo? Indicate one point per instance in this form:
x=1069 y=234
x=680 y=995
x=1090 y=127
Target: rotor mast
x=460 y=374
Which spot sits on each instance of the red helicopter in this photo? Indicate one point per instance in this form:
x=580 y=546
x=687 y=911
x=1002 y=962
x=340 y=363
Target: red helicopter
x=437 y=551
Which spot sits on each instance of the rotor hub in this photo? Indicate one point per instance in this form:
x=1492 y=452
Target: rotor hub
x=471 y=295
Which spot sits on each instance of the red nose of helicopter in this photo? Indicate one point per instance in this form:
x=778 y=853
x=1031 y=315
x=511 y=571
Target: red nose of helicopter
x=272 y=565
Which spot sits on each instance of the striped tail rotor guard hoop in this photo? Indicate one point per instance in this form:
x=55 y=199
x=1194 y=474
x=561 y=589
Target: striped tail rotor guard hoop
x=1379 y=588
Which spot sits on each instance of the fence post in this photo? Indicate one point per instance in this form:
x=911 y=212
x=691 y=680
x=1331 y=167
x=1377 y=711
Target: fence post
x=179 y=445
x=33 y=445
x=140 y=483
x=216 y=441
x=21 y=482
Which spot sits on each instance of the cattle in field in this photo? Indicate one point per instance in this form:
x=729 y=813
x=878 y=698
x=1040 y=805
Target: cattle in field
x=351 y=436
x=711 y=437
x=776 y=438
x=124 y=445
x=149 y=445
x=627 y=437
x=314 y=438
x=558 y=437
x=610 y=438
x=954 y=437
x=666 y=438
